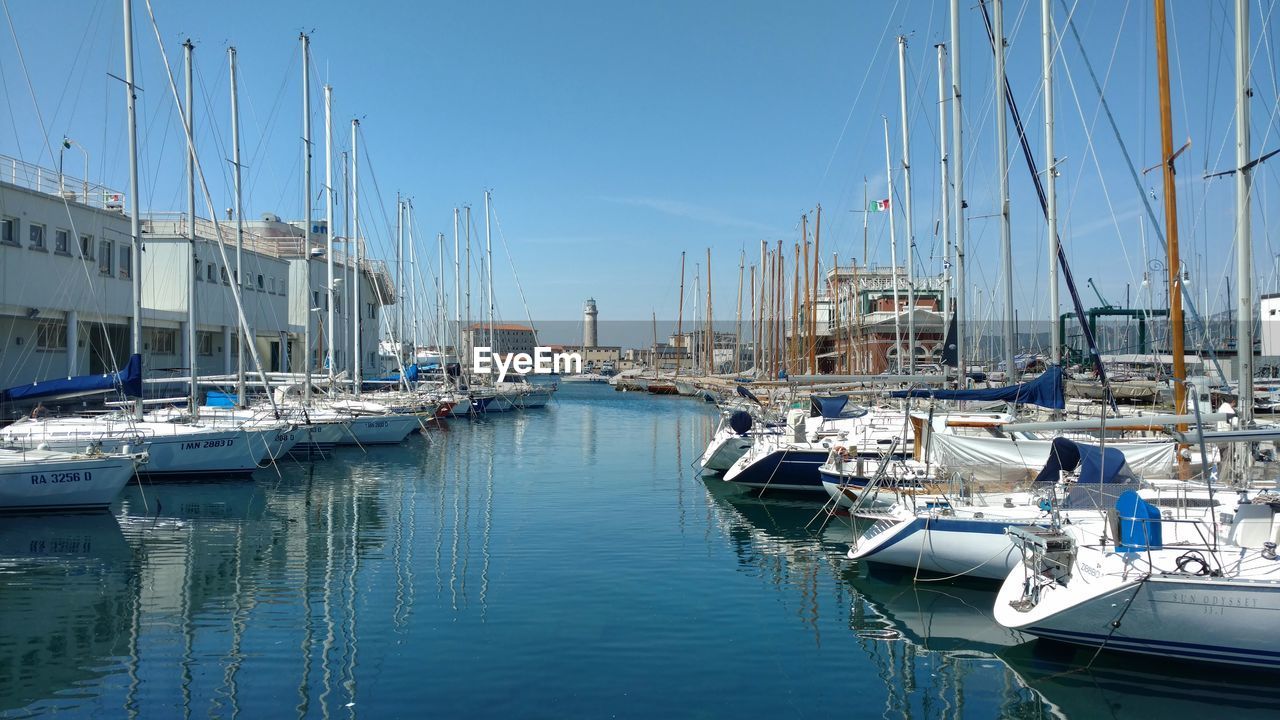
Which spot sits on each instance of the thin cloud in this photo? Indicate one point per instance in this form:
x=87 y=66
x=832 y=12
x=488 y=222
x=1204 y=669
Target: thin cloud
x=698 y=213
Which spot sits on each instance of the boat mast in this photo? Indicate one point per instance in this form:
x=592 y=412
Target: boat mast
x=804 y=336
x=957 y=182
x=1002 y=169
x=1051 y=178
x=488 y=252
x=680 y=316
x=466 y=230
x=943 y=174
x=442 y=307
x=357 y=374
x=906 y=192
x=794 y=360
x=135 y=229
x=893 y=250
x=306 y=225
x=457 y=296
x=398 y=330
x=193 y=394
x=1171 y=216
x=737 y=336
x=813 y=307
x=235 y=164
x=751 y=294
x=328 y=254
x=711 y=325
x=1244 y=222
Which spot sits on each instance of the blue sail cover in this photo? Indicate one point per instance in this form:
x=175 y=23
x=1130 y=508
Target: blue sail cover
x=829 y=406
x=128 y=382
x=1097 y=465
x=1045 y=391
x=410 y=374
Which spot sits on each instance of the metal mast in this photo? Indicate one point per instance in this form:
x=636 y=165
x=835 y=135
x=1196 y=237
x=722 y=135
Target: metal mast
x=399 y=327
x=235 y=163
x=457 y=292
x=135 y=229
x=957 y=182
x=906 y=191
x=1244 y=222
x=893 y=251
x=1051 y=178
x=193 y=394
x=488 y=251
x=356 y=309
x=943 y=175
x=306 y=226
x=1002 y=168
x=331 y=310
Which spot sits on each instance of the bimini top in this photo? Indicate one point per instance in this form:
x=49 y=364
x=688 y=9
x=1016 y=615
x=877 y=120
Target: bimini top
x=1045 y=391
x=127 y=382
x=1097 y=465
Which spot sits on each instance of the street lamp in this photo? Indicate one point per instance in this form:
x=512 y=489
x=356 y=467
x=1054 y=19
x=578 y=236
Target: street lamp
x=66 y=145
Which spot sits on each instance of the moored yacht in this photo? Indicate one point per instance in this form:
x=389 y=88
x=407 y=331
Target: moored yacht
x=55 y=480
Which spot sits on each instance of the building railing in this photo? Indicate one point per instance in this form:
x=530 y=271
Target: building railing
x=279 y=246
x=51 y=182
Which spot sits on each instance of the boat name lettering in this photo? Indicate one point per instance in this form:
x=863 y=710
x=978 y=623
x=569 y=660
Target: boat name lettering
x=61 y=477
x=378 y=424
x=201 y=444
x=1091 y=571
x=542 y=362
x=1187 y=598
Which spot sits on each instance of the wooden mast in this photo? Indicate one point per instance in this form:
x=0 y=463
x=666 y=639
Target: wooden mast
x=1171 y=215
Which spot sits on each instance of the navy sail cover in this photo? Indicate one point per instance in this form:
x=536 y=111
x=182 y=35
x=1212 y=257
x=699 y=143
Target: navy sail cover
x=1045 y=391
x=1097 y=465
x=128 y=382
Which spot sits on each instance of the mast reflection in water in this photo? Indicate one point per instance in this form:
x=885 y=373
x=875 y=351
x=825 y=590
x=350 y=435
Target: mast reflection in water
x=564 y=561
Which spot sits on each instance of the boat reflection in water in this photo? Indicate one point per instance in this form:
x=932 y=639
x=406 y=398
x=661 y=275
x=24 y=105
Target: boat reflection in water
x=934 y=646
x=65 y=605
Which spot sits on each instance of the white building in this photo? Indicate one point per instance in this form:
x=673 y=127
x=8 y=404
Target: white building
x=66 y=299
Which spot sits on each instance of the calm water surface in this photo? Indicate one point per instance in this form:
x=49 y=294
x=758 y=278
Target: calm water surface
x=566 y=562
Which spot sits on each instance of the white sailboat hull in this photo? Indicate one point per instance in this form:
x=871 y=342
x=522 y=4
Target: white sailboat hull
x=73 y=483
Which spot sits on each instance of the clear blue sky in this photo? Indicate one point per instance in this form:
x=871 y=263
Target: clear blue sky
x=615 y=135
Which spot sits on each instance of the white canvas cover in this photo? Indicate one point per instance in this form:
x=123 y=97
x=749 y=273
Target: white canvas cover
x=992 y=459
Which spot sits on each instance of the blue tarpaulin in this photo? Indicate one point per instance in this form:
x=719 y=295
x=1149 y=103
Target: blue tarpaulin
x=220 y=399
x=128 y=381
x=410 y=374
x=1097 y=465
x=1045 y=391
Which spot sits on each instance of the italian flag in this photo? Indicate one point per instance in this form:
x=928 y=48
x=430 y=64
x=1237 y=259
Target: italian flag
x=879 y=205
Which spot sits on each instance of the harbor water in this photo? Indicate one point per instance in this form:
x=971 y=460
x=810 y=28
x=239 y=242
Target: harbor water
x=562 y=562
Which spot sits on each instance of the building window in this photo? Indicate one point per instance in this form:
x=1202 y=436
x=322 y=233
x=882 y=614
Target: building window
x=273 y=286
x=126 y=262
x=226 y=279
x=204 y=343
x=62 y=241
x=35 y=237
x=86 y=247
x=315 y=298
x=210 y=270
x=104 y=257
x=260 y=285
x=373 y=311
x=51 y=335
x=195 y=269
x=163 y=341
x=9 y=230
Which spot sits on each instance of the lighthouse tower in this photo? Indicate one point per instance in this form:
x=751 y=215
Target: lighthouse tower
x=589 y=324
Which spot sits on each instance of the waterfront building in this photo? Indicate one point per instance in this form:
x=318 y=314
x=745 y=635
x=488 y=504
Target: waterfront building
x=865 y=337
x=66 y=295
